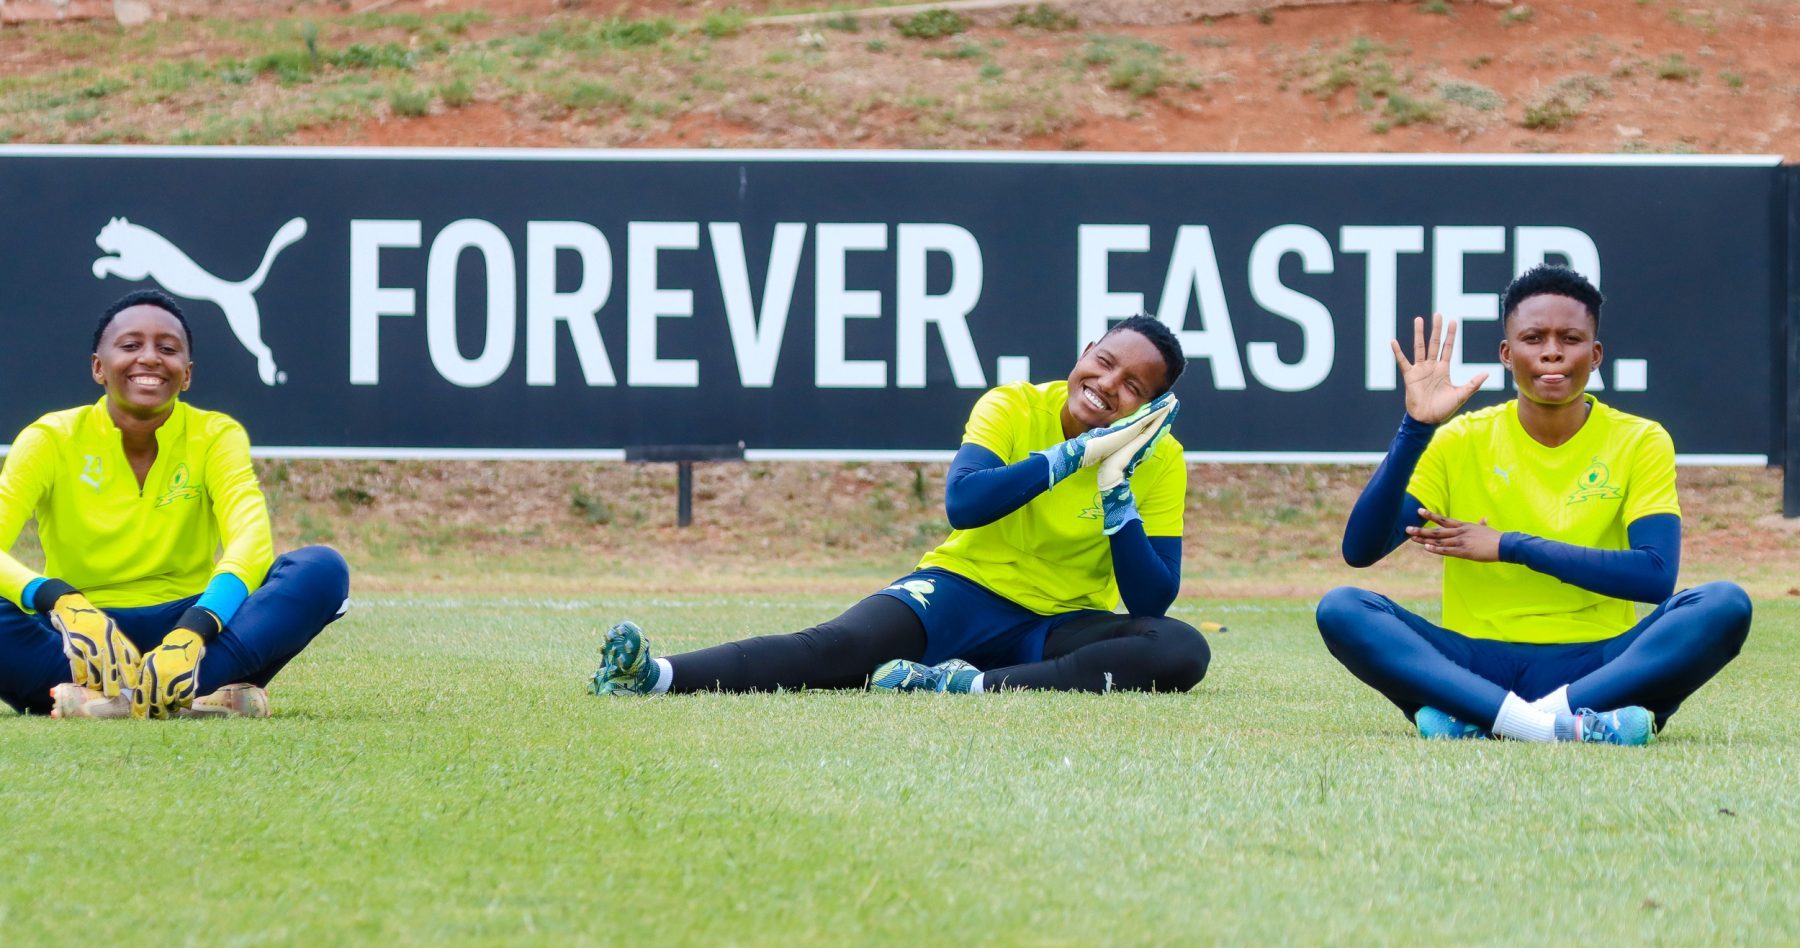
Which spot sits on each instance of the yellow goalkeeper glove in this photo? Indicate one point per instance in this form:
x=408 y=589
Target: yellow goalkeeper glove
x=100 y=656
x=171 y=672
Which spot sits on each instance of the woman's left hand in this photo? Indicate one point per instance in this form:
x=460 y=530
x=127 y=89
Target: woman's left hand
x=1467 y=541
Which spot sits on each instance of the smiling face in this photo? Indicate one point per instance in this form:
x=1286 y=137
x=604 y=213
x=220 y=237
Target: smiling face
x=1550 y=349
x=1113 y=378
x=142 y=361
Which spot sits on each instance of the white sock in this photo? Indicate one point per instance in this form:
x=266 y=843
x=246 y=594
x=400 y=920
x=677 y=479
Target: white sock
x=665 y=676
x=975 y=686
x=1556 y=702
x=1522 y=722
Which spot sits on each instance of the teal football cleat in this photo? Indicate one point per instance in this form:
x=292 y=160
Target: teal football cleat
x=1435 y=725
x=625 y=665
x=1628 y=727
x=954 y=675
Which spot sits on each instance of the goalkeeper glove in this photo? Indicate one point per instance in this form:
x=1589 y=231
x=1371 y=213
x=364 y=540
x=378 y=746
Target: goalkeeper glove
x=171 y=672
x=1091 y=447
x=1117 y=505
x=100 y=656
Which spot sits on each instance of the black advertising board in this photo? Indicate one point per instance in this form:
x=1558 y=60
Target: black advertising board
x=502 y=303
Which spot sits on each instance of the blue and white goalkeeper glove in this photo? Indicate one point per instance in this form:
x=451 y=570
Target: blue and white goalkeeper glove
x=1118 y=506
x=1095 y=445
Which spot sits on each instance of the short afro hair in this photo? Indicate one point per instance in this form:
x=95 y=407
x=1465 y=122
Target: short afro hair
x=1548 y=280
x=156 y=298
x=1160 y=336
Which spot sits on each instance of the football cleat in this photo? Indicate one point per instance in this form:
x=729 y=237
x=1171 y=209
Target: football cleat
x=1435 y=725
x=1630 y=726
x=625 y=665
x=902 y=675
x=70 y=700
x=240 y=700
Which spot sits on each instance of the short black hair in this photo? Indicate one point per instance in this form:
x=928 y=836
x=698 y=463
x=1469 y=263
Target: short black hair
x=1550 y=280
x=1160 y=336
x=156 y=298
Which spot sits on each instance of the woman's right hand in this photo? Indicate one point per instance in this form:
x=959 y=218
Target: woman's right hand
x=1095 y=445
x=1430 y=398
x=100 y=656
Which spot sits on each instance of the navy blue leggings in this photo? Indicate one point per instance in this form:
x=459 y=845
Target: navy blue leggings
x=306 y=590
x=1656 y=664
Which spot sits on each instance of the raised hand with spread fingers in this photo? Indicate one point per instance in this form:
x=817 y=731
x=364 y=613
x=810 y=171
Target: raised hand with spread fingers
x=1431 y=398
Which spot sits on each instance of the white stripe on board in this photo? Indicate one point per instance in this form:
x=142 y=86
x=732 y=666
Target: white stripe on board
x=934 y=457
x=286 y=452
x=715 y=156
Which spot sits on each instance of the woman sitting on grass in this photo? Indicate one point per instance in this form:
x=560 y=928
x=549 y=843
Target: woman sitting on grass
x=1554 y=514
x=1049 y=536
x=133 y=497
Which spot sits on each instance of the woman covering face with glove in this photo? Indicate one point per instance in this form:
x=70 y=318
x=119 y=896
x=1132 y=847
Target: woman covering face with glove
x=1066 y=498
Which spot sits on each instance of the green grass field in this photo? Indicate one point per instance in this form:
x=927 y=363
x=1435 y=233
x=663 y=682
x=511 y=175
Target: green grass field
x=434 y=772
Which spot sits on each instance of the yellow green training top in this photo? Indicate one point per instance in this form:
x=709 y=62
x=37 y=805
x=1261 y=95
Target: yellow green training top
x=1616 y=469
x=1051 y=555
x=123 y=545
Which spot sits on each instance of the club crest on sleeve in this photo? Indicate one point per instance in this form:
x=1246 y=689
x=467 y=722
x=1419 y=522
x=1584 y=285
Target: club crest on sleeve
x=1593 y=484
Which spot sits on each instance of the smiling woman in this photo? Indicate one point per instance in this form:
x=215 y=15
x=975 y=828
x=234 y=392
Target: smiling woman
x=134 y=496
x=1048 y=540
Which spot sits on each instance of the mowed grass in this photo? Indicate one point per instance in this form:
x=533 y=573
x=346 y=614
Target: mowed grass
x=434 y=772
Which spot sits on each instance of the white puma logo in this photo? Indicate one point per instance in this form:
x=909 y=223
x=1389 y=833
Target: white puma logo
x=919 y=589
x=141 y=253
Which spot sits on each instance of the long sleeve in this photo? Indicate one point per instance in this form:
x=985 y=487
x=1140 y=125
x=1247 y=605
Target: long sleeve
x=981 y=488
x=1644 y=573
x=1147 y=568
x=30 y=469
x=240 y=510
x=1384 y=510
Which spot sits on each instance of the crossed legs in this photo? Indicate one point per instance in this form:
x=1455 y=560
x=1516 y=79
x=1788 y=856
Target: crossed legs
x=1656 y=664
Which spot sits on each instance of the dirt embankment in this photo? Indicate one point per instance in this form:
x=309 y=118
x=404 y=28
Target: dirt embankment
x=1430 y=75
x=1583 y=76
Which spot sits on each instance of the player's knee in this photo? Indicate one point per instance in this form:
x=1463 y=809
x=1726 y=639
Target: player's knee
x=1731 y=611
x=1342 y=614
x=826 y=641
x=1184 y=653
x=320 y=570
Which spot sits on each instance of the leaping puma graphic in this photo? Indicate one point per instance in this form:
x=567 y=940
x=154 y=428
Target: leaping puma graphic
x=141 y=253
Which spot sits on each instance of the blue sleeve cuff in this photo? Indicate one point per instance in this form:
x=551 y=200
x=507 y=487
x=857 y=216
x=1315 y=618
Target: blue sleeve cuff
x=28 y=598
x=1509 y=546
x=1414 y=431
x=223 y=595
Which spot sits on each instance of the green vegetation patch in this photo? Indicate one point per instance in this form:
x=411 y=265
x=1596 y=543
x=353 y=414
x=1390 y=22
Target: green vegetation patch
x=720 y=24
x=1134 y=65
x=1564 y=102
x=1362 y=66
x=1676 y=68
x=1046 y=17
x=932 y=24
x=1471 y=94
